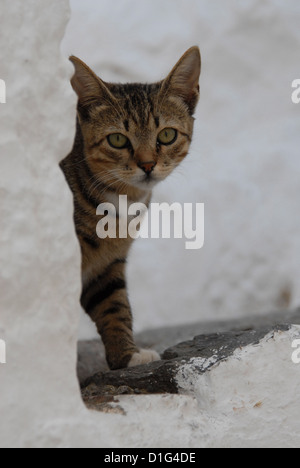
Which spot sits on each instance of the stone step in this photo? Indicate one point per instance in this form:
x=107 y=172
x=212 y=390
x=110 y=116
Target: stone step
x=205 y=351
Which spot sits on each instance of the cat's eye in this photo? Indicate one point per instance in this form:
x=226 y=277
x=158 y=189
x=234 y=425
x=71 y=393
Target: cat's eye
x=117 y=140
x=168 y=136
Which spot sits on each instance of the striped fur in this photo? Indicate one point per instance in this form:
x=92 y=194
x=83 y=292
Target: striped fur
x=98 y=173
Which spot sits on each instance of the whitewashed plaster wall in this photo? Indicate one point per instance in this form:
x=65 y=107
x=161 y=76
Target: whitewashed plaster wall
x=244 y=163
x=39 y=254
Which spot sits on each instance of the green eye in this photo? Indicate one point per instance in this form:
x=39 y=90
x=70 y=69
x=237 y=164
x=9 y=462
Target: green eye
x=117 y=140
x=167 y=136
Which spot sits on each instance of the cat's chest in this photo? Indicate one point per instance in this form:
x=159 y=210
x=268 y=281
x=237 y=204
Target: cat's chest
x=125 y=206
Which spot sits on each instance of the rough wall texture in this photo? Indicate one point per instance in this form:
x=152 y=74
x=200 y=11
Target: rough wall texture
x=38 y=248
x=244 y=164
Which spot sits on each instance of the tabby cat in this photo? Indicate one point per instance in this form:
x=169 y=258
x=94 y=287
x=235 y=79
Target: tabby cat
x=129 y=137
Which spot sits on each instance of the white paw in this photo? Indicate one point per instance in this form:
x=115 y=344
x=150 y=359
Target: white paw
x=143 y=357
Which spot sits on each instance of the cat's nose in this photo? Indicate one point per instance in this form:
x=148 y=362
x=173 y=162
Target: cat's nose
x=147 y=167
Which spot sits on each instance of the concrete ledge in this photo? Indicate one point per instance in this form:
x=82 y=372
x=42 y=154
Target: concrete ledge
x=204 y=351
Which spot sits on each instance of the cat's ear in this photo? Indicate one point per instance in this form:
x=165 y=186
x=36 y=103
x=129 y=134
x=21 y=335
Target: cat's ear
x=87 y=85
x=183 y=80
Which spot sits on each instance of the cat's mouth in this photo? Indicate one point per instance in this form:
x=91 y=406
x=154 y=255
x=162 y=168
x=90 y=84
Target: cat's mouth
x=146 y=182
x=148 y=178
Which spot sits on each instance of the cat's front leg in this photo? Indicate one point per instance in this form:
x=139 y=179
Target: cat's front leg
x=114 y=323
x=105 y=300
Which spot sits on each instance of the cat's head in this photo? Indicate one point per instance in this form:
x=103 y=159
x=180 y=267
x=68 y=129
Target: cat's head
x=137 y=134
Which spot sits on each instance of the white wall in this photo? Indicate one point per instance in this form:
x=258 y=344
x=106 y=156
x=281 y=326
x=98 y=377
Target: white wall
x=38 y=247
x=40 y=403
x=244 y=162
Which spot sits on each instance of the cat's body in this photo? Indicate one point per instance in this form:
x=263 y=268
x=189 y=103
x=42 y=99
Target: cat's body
x=128 y=138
